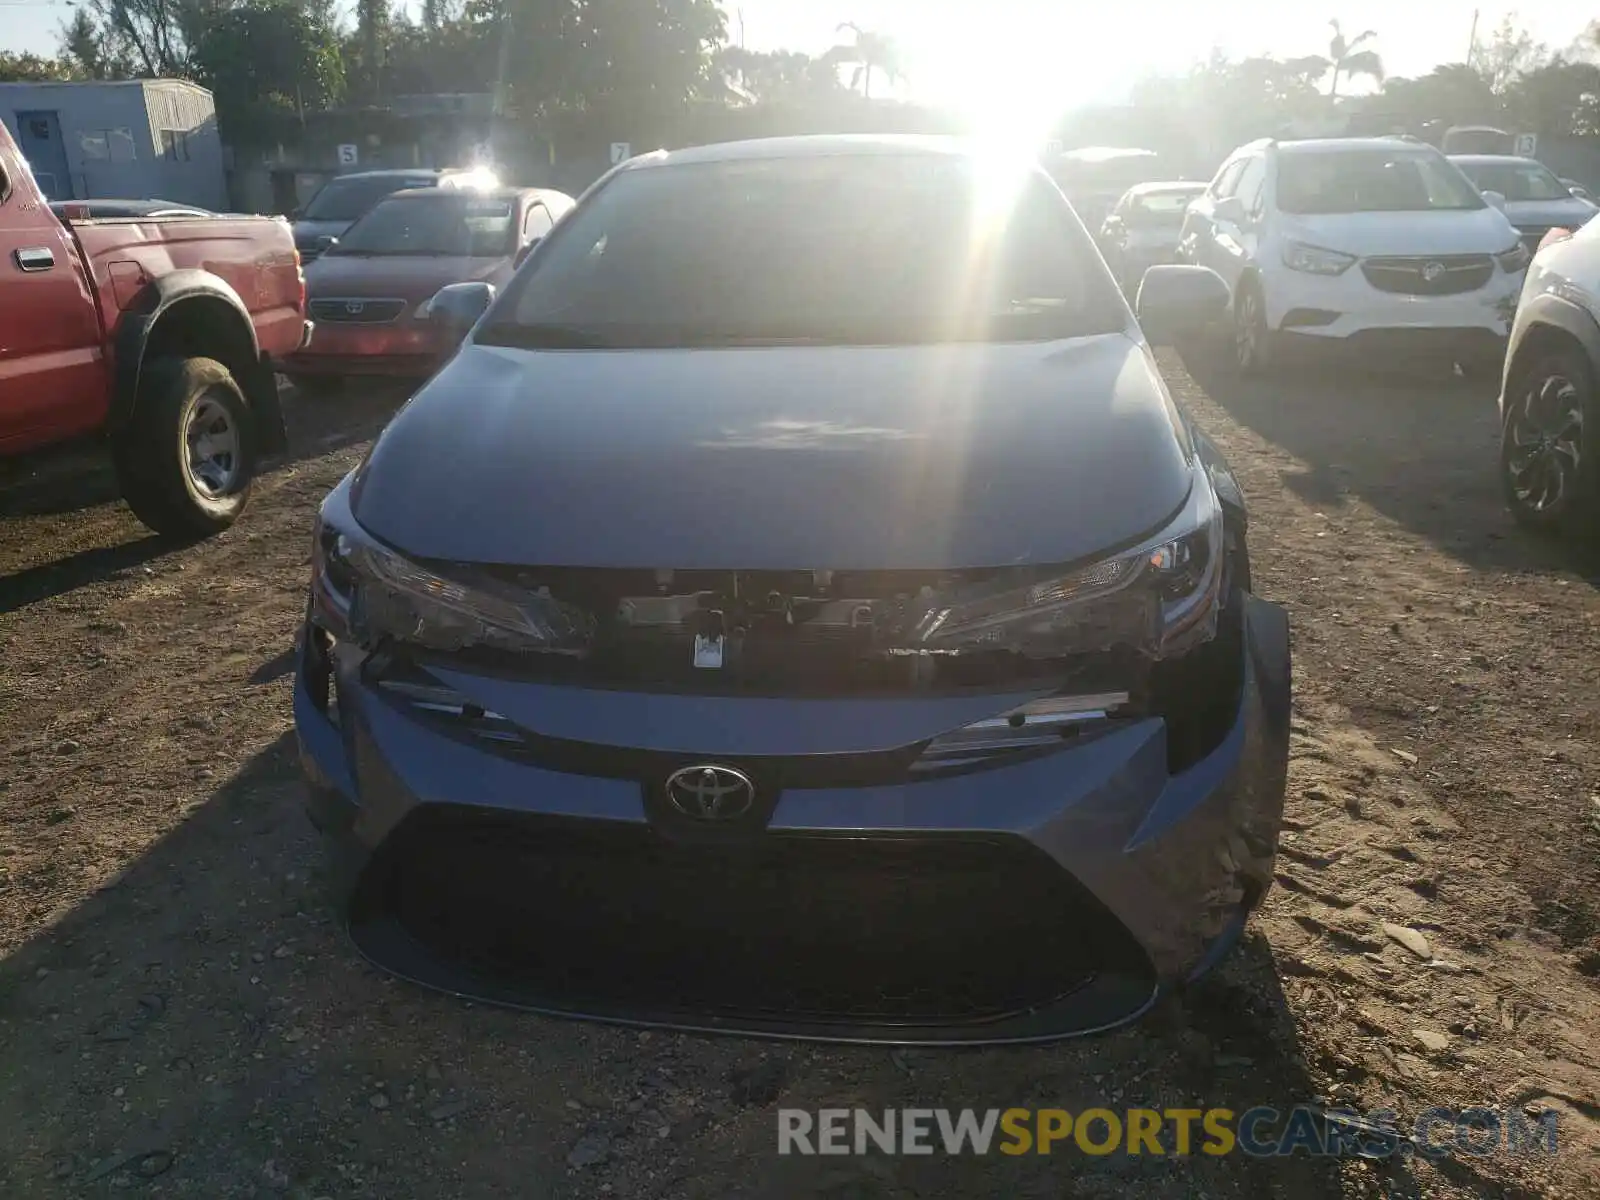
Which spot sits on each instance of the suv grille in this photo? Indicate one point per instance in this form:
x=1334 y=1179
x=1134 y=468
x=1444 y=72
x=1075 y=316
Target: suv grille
x=357 y=310
x=892 y=930
x=1442 y=275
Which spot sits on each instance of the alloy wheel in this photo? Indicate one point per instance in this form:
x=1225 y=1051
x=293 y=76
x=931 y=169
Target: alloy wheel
x=1545 y=436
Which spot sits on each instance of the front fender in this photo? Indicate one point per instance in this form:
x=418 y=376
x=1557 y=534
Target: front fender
x=1552 y=310
x=139 y=322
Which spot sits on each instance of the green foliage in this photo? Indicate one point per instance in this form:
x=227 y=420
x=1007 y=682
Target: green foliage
x=31 y=68
x=266 y=56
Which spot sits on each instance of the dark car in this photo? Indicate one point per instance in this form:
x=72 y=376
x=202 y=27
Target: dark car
x=800 y=608
x=344 y=199
x=370 y=294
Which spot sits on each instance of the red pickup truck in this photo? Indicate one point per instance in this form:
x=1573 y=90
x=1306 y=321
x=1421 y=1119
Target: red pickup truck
x=158 y=334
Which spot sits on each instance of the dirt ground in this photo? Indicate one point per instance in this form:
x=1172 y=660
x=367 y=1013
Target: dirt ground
x=181 y=1016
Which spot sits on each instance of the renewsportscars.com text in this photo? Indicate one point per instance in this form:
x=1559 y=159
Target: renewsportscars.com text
x=1259 y=1132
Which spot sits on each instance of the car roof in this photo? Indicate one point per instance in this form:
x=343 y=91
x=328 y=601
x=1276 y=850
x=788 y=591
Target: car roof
x=495 y=193
x=808 y=146
x=400 y=173
x=1487 y=160
x=1350 y=145
x=1168 y=185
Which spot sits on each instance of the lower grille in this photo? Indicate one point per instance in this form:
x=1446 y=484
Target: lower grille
x=1445 y=275
x=357 y=310
x=787 y=928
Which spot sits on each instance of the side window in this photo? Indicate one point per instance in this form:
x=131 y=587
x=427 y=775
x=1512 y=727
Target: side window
x=1252 y=185
x=537 y=223
x=5 y=184
x=1227 y=180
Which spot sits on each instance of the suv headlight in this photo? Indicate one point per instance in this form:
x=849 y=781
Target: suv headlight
x=1515 y=259
x=1161 y=598
x=1315 y=260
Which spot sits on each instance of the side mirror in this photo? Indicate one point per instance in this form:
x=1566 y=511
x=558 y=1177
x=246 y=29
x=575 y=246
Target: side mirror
x=1496 y=199
x=1231 y=210
x=459 y=305
x=1175 y=302
x=525 y=250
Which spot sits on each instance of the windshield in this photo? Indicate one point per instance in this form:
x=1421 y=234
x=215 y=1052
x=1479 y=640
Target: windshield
x=347 y=199
x=1162 y=208
x=1350 y=181
x=846 y=249
x=1517 y=180
x=453 y=224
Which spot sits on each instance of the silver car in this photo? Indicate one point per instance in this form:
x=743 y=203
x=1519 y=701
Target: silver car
x=1550 y=422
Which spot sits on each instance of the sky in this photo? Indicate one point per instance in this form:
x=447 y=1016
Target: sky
x=968 y=53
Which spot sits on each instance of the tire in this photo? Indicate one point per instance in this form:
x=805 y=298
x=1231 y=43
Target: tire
x=1254 y=349
x=1549 y=441
x=186 y=462
x=318 y=385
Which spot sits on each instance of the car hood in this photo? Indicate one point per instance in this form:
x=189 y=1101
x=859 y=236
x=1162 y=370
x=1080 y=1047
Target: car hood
x=413 y=277
x=1405 y=234
x=849 y=458
x=1544 y=214
x=308 y=233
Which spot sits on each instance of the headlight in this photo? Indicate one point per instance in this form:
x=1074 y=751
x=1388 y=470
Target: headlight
x=386 y=595
x=1515 y=259
x=1160 y=598
x=1314 y=260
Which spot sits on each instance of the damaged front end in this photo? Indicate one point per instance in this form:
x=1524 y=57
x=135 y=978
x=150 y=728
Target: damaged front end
x=1096 y=628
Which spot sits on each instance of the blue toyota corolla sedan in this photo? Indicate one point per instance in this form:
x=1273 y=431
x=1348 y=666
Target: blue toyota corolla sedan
x=800 y=609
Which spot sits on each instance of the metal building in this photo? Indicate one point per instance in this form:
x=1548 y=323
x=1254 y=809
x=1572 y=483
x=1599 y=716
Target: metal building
x=144 y=139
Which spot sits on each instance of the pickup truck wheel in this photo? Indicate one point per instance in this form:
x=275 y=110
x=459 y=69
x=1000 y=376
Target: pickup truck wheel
x=187 y=461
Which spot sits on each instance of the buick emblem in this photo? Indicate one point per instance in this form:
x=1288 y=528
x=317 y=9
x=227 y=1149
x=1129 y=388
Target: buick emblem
x=354 y=307
x=1432 y=272
x=710 y=793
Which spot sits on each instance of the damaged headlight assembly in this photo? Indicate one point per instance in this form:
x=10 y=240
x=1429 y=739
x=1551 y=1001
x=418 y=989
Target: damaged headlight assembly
x=1159 y=598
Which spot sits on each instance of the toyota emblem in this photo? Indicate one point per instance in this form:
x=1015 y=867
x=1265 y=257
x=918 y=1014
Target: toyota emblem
x=354 y=307
x=1432 y=272
x=711 y=793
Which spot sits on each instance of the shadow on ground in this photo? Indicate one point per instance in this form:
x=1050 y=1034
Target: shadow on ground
x=1418 y=447
x=202 y=1021
x=72 y=482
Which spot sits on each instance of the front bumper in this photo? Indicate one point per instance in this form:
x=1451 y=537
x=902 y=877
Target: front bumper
x=1343 y=306
x=1054 y=896
x=404 y=347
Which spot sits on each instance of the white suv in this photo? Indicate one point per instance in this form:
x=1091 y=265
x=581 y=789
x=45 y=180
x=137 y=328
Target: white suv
x=1371 y=243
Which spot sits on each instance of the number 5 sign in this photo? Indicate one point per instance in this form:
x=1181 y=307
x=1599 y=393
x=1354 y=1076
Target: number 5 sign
x=349 y=154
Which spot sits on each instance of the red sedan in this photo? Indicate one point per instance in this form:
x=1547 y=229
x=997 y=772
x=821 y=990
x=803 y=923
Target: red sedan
x=369 y=293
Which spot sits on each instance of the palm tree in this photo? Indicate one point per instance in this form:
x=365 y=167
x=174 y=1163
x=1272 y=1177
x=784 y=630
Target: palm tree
x=870 y=52
x=1347 y=59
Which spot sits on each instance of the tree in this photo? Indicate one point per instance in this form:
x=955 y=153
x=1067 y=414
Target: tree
x=869 y=52
x=268 y=56
x=1346 y=58
x=1557 y=99
x=776 y=76
x=1452 y=94
x=84 y=45
x=31 y=68
x=1510 y=53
